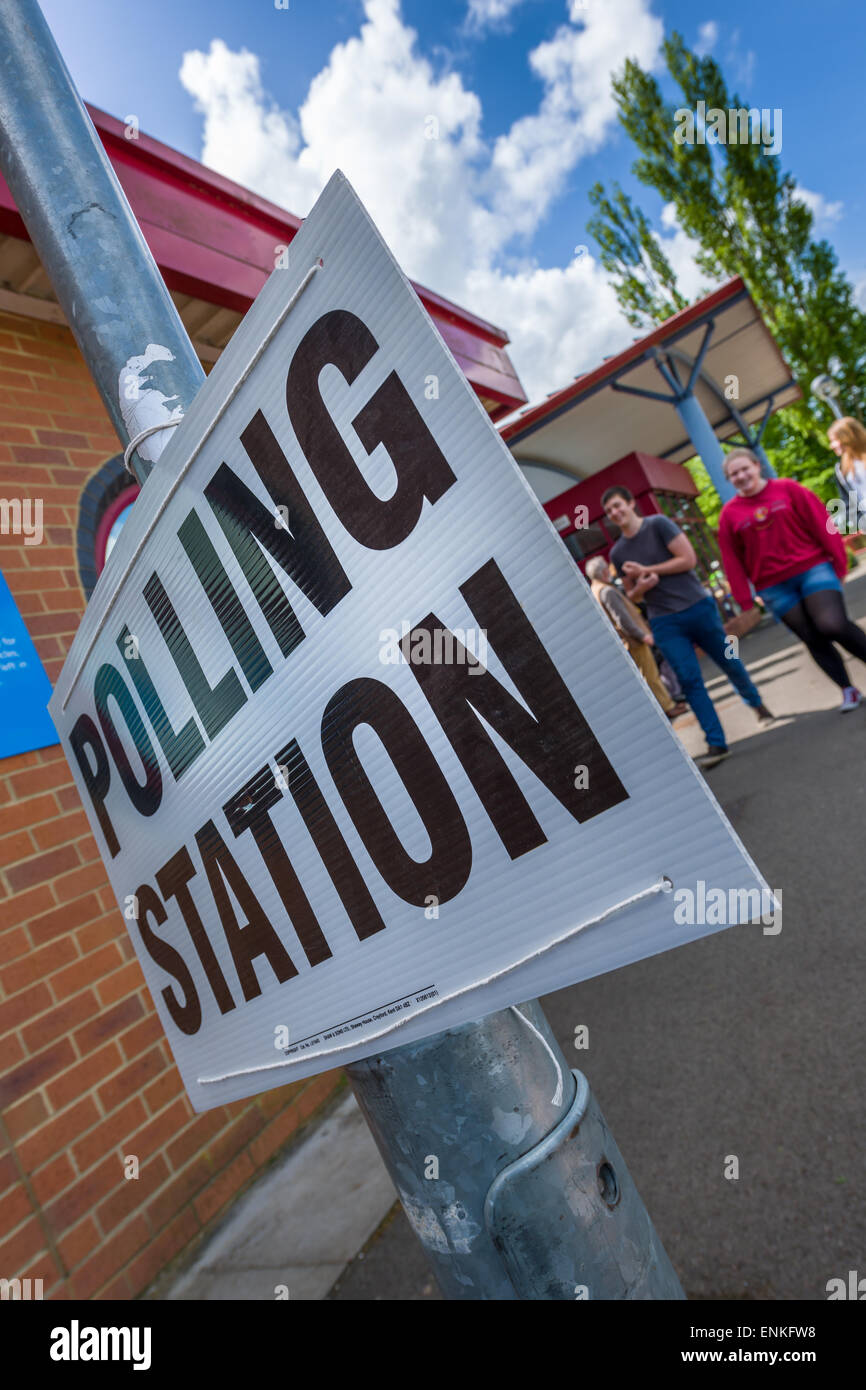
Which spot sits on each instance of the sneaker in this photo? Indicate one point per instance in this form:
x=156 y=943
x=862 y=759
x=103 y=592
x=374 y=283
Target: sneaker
x=712 y=756
x=764 y=715
x=851 y=698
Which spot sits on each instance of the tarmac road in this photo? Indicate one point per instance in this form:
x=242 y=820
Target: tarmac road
x=742 y=1044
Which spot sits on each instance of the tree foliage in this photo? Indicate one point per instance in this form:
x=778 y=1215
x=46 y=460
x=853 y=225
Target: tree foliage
x=742 y=209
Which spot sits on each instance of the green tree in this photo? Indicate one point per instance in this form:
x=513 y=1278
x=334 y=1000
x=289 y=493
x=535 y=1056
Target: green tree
x=741 y=208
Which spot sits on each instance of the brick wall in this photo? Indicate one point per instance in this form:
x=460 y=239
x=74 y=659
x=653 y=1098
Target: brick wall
x=87 y=1076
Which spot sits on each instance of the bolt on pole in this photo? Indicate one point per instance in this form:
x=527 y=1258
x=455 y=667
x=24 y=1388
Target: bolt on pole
x=105 y=278
x=531 y=1198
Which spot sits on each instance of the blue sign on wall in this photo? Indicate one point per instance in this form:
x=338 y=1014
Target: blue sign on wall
x=24 y=687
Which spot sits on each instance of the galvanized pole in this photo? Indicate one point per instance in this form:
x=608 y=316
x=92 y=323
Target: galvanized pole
x=501 y=1157
x=88 y=240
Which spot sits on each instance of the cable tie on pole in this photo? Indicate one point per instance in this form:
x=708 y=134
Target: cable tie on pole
x=144 y=434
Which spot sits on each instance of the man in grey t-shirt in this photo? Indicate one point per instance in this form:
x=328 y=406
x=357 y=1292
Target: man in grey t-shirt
x=656 y=562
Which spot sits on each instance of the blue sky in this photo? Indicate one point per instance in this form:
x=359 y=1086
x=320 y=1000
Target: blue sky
x=491 y=209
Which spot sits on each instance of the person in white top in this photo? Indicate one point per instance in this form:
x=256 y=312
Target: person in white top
x=848 y=441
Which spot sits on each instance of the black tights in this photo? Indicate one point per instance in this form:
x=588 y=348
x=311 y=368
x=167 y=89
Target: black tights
x=819 y=620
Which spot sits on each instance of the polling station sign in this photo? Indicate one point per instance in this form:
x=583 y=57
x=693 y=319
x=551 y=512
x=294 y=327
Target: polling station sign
x=362 y=757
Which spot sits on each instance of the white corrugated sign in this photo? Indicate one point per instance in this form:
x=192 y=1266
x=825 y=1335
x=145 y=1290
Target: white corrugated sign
x=362 y=755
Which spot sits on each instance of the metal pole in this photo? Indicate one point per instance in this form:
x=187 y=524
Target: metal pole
x=532 y=1199
x=506 y=1170
x=88 y=240
x=703 y=436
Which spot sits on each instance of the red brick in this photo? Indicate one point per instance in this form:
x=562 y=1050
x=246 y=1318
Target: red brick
x=161 y=1251
x=24 y=1245
x=86 y=972
x=118 y=1291
x=68 y=798
x=24 y=1006
x=79 y=1079
x=235 y=1138
x=52 y=1179
x=141 y=1036
x=107 y=928
x=57 y=1134
x=275 y=1135
x=113 y=1133
x=88 y=852
x=80 y=1199
x=35 y=453
x=15 y=847
x=24 y=1117
x=46 y=1268
x=109 y=1024
x=82 y=880
x=122 y=982
x=35 y=1072
x=62 y=1019
x=29 y=603
x=37 y=965
x=130 y=1080
x=14 y=1208
x=13 y=1051
x=195 y=1137
x=178 y=1193
x=24 y=906
x=43 y=867
x=132 y=1194
x=8 y=1172
x=62 y=439
x=272 y=1102
x=162 y=1129
x=61 y=830
x=317 y=1092
x=106 y=1263
x=64 y=919
x=77 y=1244
x=162 y=1091
x=40 y=779
x=223 y=1188
x=13 y=943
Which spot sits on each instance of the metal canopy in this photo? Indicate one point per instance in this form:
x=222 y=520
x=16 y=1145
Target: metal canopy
x=596 y=419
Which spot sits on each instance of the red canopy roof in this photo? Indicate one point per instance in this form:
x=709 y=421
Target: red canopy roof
x=214 y=240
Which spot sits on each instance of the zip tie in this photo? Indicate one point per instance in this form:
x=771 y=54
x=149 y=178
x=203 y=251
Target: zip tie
x=556 y=1098
x=176 y=481
x=144 y=434
x=663 y=885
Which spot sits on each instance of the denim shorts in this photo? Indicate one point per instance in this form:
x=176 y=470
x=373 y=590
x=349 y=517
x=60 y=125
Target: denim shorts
x=780 y=598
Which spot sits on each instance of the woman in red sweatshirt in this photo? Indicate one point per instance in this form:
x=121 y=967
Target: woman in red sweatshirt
x=778 y=536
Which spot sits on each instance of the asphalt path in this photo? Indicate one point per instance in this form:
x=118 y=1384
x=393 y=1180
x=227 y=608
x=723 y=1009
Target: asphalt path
x=743 y=1044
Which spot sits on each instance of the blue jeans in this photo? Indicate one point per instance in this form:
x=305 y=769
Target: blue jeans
x=677 y=634
x=781 y=598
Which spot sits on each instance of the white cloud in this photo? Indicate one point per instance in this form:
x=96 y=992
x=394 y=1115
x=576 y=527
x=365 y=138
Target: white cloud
x=708 y=36
x=482 y=13
x=457 y=214
x=825 y=213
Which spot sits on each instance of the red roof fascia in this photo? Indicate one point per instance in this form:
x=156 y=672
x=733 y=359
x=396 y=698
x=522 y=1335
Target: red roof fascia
x=215 y=240
x=614 y=365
